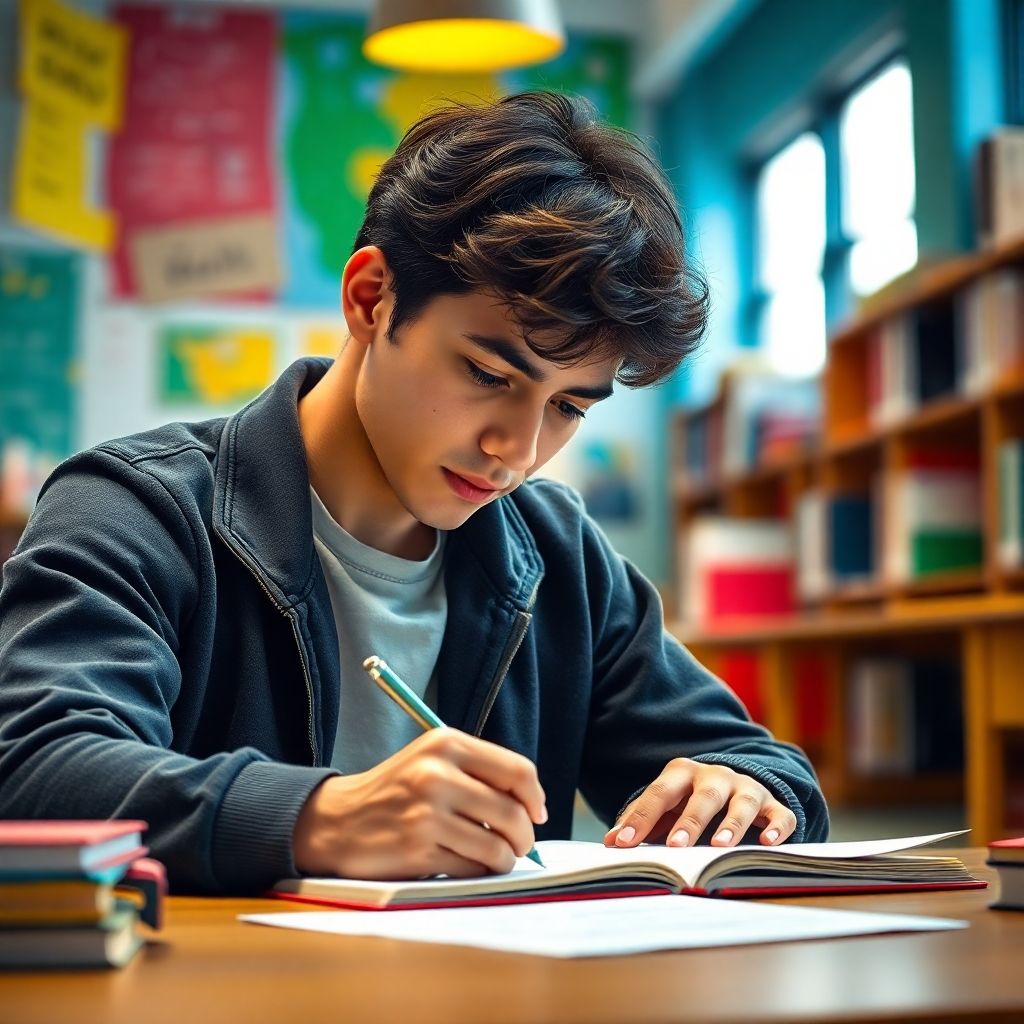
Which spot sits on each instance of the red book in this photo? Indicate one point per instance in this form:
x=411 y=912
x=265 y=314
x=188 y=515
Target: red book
x=943 y=458
x=812 y=699
x=749 y=590
x=48 y=846
x=741 y=673
x=1006 y=851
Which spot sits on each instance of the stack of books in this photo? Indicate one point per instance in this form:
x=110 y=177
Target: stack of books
x=72 y=893
x=1007 y=857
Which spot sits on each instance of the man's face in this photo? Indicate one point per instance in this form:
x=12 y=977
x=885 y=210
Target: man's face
x=459 y=411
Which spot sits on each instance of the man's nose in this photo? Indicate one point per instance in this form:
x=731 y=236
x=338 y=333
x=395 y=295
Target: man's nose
x=514 y=437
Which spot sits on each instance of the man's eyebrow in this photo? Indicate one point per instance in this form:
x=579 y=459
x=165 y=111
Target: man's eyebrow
x=504 y=349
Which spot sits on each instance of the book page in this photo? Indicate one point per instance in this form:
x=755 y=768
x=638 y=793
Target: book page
x=689 y=863
x=608 y=927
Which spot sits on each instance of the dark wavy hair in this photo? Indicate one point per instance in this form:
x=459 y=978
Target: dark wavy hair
x=569 y=221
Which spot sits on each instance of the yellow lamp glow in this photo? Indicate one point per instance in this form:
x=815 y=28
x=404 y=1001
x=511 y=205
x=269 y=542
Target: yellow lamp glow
x=466 y=36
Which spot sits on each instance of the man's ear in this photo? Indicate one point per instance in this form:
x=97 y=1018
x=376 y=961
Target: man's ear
x=365 y=295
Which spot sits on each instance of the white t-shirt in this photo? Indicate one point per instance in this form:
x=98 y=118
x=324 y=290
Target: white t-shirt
x=383 y=605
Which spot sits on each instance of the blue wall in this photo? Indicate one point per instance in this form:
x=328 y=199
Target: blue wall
x=750 y=95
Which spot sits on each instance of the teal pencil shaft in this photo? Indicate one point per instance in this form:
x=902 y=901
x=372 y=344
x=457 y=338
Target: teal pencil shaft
x=384 y=676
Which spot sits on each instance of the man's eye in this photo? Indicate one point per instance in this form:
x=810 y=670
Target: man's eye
x=570 y=411
x=482 y=377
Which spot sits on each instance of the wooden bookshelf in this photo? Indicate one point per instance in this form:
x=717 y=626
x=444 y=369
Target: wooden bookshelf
x=976 y=613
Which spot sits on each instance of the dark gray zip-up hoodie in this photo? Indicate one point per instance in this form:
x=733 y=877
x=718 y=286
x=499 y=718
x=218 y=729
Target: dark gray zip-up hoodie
x=168 y=651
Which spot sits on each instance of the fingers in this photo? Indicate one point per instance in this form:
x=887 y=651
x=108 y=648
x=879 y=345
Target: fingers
x=505 y=816
x=687 y=798
x=467 y=849
x=500 y=769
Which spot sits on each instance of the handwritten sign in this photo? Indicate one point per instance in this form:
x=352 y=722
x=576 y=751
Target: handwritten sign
x=222 y=256
x=73 y=62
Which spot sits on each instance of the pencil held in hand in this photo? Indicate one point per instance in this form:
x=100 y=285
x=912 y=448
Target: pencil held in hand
x=385 y=677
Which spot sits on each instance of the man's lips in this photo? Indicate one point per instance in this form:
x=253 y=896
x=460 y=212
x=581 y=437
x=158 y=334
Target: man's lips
x=470 y=488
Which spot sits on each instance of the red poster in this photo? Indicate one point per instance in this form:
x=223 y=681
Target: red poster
x=196 y=144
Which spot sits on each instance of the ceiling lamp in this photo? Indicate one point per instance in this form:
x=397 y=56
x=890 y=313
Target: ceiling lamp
x=463 y=35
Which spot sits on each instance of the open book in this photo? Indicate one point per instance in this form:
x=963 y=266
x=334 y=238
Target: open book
x=577 y=870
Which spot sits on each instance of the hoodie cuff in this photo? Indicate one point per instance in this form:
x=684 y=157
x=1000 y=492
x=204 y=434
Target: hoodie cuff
x=252 y=841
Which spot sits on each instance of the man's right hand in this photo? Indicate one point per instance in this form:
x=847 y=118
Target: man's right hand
x=422 y=811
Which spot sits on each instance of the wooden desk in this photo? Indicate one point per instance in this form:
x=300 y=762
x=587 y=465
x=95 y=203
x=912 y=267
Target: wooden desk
x=207 y=966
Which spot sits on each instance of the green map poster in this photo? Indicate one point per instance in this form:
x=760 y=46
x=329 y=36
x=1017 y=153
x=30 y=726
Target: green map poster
x=341 y=117
x=38 y=301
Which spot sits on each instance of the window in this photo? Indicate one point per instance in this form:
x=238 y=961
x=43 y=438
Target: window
x=835 y=216
x=791 y=230
x=876 y=141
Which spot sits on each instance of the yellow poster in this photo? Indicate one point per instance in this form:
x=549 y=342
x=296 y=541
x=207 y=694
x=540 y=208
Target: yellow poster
x=214 y=364
x=73 y=62
x=49 y=184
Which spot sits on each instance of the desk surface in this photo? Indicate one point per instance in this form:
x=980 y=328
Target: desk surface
x=207 y=966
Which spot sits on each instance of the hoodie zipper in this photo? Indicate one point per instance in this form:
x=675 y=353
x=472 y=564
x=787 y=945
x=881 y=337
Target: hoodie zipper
x=298 y=643
x=523 y=619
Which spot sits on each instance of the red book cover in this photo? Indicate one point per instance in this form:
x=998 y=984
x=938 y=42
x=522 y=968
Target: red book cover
x=65 y=833
x=812 y=699
x=46 y=846
x=749 y=590
x=943 y=458
x=741 y=673
x=1006 y=851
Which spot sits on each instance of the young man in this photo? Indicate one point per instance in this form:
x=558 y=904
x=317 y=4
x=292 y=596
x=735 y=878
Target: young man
x=183 y=624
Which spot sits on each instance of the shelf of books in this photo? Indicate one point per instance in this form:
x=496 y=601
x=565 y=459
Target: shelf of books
x=851 y=549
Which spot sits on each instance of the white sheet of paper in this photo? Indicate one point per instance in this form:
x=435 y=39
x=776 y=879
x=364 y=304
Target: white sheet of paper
x=608 y=927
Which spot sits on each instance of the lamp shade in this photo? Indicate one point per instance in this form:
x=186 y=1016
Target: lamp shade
x=463 y=35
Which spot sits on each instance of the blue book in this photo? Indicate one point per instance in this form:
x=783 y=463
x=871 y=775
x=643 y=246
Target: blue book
x=851 y=537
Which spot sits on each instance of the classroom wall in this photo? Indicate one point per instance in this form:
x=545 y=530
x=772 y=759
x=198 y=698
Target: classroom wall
x=617 y=457
x=750 y=95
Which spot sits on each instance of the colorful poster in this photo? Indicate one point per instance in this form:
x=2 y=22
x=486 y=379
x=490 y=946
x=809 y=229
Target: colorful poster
x=38 y=300
x=73 y=62
x=49 y=185
x=214 y=364
x=341 y=117
x=71 y=73
x=196 y=141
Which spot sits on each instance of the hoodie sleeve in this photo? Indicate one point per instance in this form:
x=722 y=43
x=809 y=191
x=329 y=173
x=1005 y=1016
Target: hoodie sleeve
x=96 y=605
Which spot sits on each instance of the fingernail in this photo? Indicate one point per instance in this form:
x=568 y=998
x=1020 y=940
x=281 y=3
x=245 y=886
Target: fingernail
x=625 y=835
x=725 y=836
x=772 y=835
x=543 y=816
x=679 y=838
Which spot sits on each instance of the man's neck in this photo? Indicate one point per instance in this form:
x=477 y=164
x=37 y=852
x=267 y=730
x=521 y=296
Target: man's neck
x=344 y=470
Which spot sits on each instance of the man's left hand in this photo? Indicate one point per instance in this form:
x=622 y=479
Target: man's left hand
x=683 y=800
